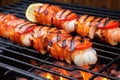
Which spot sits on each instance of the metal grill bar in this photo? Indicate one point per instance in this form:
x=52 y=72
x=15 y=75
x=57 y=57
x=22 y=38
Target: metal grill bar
x=70 y=69
x=97 y=74
x=78 y=9
x=107 y=47
x=20 y=71
x=82 y=9
x=108 y=65
x=20 y=47
x=33 y=51
x=36 y=67
x=55 y=65
x=35 y=58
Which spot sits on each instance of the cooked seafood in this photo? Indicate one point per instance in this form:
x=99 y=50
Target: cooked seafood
x=60 y=44
x=84 y=25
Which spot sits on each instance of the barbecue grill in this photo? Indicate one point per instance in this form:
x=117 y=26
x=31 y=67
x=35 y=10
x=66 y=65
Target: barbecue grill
x=15 y=60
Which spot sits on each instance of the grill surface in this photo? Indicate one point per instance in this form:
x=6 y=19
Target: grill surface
x=11 y=54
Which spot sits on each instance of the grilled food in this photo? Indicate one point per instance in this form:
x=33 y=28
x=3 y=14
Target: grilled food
x=105 y=28
x=60 y=44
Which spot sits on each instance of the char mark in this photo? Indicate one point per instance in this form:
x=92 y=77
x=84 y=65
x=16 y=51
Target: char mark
x=72 y=45
x=64 y=43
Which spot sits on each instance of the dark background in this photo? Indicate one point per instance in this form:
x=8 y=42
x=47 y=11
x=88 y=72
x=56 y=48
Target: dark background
x=109 y=4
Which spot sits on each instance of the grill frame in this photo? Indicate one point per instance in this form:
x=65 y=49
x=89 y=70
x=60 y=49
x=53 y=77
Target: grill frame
x=101 y=48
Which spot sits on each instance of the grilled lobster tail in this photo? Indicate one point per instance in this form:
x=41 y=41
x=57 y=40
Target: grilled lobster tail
x=84 y=25
x=60 y=44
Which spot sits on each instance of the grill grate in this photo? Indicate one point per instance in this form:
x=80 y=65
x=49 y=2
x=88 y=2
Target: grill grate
x=11 y=54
